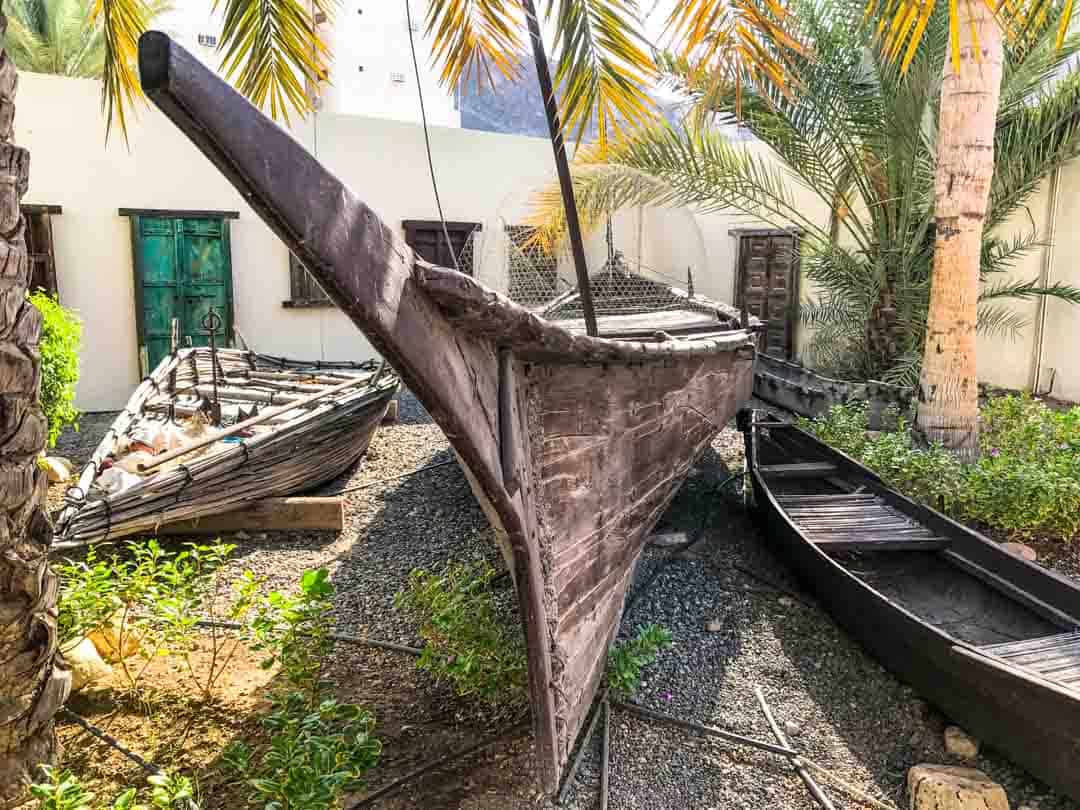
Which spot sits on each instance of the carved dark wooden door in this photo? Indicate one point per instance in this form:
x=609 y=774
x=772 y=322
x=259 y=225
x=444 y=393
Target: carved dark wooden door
x=768 y=282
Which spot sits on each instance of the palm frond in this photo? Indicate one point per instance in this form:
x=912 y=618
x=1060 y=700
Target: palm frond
x=737 y=44
x=271 y=49
x=603 y=66
x=1001 y=255
x=1027 y=290
x=122 y=23
x=473 y=38
x=999 y=321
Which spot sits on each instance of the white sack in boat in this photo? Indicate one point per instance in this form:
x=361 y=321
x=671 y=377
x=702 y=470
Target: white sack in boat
x=115 y=480
x=130 y=463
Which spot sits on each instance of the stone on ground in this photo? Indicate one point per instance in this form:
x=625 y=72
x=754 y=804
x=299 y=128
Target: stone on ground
x=86 y=664
x=57 y=468
x=669 y=539
x=714 y=625
x=945 y=787
x=1022 y=551
x=960 y=744
x=108 y=640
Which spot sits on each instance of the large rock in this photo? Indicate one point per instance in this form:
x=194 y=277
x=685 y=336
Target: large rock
x=57 y=468
x=960 y=744
x=86 y=664
x=945 y=787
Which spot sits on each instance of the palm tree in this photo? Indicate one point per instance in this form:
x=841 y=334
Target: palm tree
x=52 y=36
x=63 y=37
x=861 y=138
x=32 y=689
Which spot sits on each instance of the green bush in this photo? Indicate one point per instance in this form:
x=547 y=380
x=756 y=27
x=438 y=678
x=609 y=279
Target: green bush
x=628 y=658
x=1026 y=481
x=466 y=640
x=61 y=342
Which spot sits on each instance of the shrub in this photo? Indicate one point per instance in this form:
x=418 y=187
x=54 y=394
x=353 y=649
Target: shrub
x=61 y=342
x=62 y=790
x=628 y=658
x=1026 y=481
x=316 y=754
x=466 y=640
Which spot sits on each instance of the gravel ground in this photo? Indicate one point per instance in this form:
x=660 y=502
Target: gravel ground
x=848 y=713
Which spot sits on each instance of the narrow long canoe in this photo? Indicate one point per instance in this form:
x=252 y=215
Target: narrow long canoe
x=326 y=414
x=991 y=639
x=574 y=445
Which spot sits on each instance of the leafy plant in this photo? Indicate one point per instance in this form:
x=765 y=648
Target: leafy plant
x=61 y=342
x=62 y=790
x=466 y=641
x=628 y=659
x=1027 y=480
x=153 y=596
x=295 y=630
x=315 y=755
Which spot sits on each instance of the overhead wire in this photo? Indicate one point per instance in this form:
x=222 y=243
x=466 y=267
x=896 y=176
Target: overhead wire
x=427 y=137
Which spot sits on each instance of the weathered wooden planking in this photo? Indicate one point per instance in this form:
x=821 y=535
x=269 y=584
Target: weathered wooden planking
x=269 y=514
x=536 y=413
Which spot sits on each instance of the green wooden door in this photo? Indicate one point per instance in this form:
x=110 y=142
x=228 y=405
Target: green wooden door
x=182 y=268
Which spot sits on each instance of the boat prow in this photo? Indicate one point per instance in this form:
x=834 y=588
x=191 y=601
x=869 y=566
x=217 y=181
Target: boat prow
x=573 y=444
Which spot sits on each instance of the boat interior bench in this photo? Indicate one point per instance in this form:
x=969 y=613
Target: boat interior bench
x=854 y=521
x=1056 y=658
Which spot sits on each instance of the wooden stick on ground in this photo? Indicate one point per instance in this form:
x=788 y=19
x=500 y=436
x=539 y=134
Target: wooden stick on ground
x=269 y=514
x=808 y=780
x=605 y=755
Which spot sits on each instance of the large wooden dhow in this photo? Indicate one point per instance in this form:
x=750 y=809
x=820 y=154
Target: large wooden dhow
x=282 y=426
x=991 y=639
x=574 y=444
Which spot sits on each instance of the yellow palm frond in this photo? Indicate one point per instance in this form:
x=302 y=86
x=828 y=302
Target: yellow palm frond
x=604 y=66
x=900 y=24
x=730 y=43
x=122 y=22
x=472 y=37
x=272 y=50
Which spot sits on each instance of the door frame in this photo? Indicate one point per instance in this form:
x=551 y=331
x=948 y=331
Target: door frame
x=135 y=217
x=794 y=289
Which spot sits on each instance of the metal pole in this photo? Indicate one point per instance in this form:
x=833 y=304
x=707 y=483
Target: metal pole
x=562 y=166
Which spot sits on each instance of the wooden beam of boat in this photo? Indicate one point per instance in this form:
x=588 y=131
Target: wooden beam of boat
x=269 y=514
x=265 y=416
x=573 y=444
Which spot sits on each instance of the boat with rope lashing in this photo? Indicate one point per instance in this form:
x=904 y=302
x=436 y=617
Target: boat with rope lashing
x=573 y=443
x=991 y=639
x=212 y=430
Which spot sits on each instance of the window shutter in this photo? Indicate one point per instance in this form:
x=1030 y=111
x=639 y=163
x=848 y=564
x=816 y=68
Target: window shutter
x=304 y=291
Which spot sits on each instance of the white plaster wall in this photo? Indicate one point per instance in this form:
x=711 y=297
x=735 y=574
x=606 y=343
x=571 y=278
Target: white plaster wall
x=370 y=44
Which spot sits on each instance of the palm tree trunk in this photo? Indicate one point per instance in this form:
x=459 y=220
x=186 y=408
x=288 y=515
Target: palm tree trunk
x=32 y=688
x=948 y=389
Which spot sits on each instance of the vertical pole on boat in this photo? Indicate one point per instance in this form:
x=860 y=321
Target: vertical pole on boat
x=211 y=322
x=562 y=166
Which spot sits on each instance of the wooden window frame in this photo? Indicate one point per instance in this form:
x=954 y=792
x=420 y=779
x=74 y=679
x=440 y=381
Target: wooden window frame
x=304 y=290
x=41 y=245
x=455 y=228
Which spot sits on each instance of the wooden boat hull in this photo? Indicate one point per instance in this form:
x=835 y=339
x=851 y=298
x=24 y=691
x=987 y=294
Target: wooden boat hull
x=798 y=389
x=573 y=444
x=316 y=446
x=1029 y=717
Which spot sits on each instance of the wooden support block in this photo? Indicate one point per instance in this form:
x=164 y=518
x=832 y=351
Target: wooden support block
x=270 y=514
x=804 y=469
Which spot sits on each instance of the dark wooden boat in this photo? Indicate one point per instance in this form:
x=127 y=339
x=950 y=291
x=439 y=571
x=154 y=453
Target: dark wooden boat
x=573 y=444
x=991 y=639
x=800 y=390
x=285 y=426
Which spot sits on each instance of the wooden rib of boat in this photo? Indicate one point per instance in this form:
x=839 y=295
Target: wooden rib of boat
x=993 y=640
x=162 y=460
x=800 y=390
x=574 y=445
